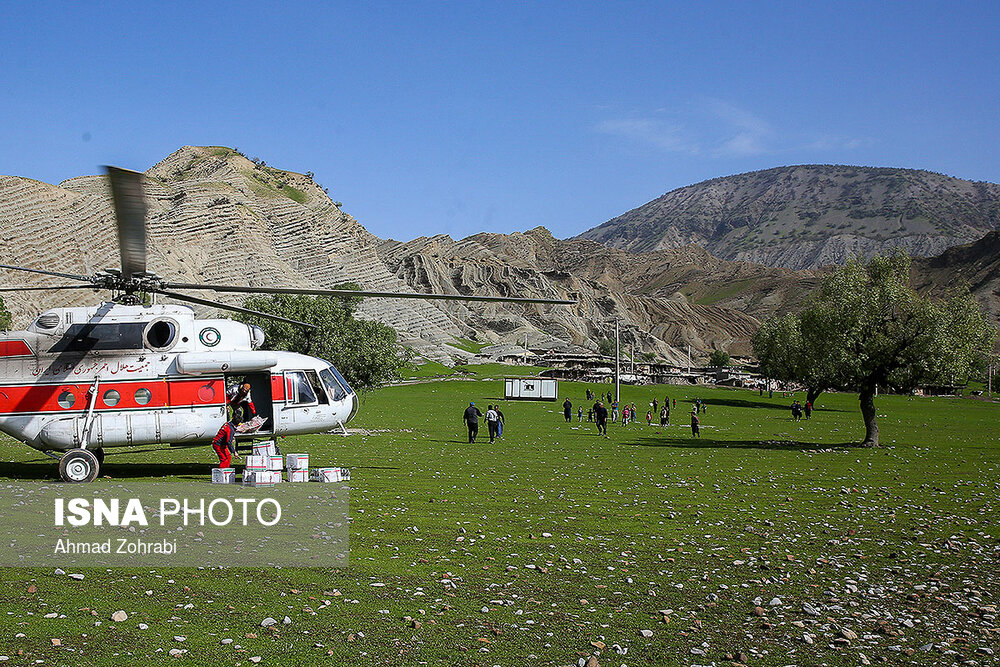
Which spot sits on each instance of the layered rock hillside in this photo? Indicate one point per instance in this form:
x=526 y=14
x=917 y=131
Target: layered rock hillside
x=811 y=216
x=214 y=217
x=217 y=217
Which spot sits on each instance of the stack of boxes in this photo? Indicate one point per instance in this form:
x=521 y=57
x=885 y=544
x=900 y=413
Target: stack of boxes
x=264 y=466
x=298 y=467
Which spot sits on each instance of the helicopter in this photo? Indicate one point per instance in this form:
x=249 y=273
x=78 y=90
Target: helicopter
x=129 y=372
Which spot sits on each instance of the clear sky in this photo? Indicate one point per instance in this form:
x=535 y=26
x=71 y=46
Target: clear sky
x=434 y=117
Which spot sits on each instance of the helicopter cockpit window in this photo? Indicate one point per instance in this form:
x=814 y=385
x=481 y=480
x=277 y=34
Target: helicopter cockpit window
x=88 y=337
x=340 y=379
x=160 y=334
x=300 y=390
x=333 y=388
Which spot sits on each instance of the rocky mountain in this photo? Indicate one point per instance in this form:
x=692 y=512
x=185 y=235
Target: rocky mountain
x=811 y=216
x=217 y=217
x=214 y=217
x=974 y=265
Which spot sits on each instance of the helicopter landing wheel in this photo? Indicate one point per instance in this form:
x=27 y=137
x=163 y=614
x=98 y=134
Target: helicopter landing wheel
x=99 y=453
x=78 y=465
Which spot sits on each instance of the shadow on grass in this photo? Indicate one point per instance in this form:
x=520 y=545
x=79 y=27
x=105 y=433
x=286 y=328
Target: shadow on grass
x=48 y=469
x=708 y=443
x=744 y=403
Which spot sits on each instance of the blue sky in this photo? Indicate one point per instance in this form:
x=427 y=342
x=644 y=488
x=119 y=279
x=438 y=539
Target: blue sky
x=426 y=118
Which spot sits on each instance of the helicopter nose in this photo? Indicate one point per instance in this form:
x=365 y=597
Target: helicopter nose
x=354 y=407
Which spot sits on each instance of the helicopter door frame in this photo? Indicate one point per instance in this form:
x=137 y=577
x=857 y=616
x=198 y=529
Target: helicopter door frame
x=263 y=398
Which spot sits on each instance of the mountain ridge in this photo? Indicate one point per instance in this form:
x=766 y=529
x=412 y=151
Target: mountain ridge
x=808 y=216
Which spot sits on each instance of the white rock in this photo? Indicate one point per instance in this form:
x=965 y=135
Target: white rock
x=119 y=616
x=226 y=641
x=646 y=633
x=267 y=622
x=60 y=571
x=143 y=626
x=78 y=577
x=286 y=621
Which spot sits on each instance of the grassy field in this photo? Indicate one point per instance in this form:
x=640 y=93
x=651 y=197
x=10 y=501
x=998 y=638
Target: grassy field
x=768 y=540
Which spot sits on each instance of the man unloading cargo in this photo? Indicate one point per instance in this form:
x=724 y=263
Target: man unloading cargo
x=224 y=444
x=238 y=397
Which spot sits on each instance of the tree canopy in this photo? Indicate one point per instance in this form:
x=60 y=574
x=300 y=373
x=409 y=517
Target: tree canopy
x=6 y=320
x=718 y=359
x=865 y=328
x=365 y=352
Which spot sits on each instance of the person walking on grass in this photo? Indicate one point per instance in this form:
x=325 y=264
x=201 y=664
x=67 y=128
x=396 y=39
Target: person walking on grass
x=695 y=424
x=614 y=410
x=664 y=412
x=471 y=419
x=809 y=410
x=568 y=410
x=502 y=419
x=601 y=417
x=492 y=423
x=579 y=414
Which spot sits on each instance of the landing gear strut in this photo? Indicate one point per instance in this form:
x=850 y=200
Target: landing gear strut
x=79 y=465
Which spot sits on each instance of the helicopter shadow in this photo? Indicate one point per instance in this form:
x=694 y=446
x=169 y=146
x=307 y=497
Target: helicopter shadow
x=48 y=470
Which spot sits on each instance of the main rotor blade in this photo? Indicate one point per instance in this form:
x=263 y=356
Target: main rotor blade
x=226 y=306
x=364 y=294
x=42 y=289
x=71 y=276
x=130 y=215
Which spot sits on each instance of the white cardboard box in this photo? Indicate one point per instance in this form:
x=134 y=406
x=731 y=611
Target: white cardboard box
x=223 y=476
x=261 y=478
x=257 y=462
x=275 y=462
x=297 y=461
x=298 y=475
x=265 y=448
x=325 y=475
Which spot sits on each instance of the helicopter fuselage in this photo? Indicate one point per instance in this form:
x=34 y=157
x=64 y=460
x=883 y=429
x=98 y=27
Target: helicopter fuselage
x=119 y=375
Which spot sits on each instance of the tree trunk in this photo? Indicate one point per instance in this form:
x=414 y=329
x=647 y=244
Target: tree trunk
x=812 y=393
x=868 y=414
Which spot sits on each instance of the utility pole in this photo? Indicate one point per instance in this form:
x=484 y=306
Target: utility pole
x=689 y=358
x=617 y=364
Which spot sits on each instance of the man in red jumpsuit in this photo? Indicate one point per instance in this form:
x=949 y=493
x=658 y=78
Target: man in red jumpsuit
x=224 y=444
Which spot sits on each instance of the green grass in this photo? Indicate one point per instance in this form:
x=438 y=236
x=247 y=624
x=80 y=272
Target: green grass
x=468 y=345
x=499 y=370
x=714 y=296
x=427 y=369
x=614 y=530
x=294 y=194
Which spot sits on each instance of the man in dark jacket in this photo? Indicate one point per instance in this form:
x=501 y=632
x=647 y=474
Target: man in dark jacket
x=471 y=419
x=568 y=410
x=601 y=417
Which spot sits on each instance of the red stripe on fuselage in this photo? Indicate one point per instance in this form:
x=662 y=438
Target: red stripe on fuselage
x=163 y=394
x=14 y=348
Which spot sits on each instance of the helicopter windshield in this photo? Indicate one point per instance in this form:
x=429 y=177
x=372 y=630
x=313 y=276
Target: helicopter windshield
x=333 y=387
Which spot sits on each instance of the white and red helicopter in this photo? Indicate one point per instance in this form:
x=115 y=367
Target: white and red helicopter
x=80 y=380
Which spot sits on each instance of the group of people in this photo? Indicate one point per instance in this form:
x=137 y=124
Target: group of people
x=599 y=414
x=494 y=421
x=798 y=410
